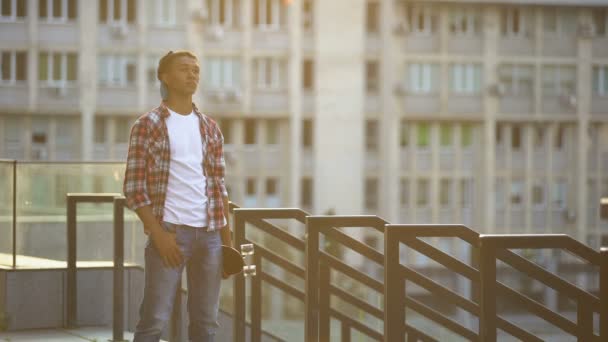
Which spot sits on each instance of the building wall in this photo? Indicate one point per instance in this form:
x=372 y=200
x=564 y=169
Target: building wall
x=490 y=115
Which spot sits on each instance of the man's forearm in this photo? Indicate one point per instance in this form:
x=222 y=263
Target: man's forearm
x=151 y=224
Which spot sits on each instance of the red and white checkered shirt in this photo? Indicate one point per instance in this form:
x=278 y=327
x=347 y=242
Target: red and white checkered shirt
x=147 y=171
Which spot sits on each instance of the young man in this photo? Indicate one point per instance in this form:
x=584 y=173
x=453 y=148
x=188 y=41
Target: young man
x=174 y=181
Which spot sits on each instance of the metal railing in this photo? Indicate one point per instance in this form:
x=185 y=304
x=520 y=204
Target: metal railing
x=118 y=267
x=259 y=218
x=319 y=287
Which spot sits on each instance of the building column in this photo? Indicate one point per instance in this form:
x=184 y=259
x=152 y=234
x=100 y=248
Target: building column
x=485 y=217
x=295 y=103
x=194 y=33
x=87 y=75
x=340 y=106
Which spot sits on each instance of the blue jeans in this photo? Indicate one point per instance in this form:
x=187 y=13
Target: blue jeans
x=202 y=257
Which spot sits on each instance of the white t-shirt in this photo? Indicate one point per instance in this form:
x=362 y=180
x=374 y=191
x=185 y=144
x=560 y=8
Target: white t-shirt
x=186 y=201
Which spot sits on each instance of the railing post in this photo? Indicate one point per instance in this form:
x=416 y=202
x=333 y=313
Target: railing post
x=239 y=281
x=394 y=287
x=14 y=214
x=604 y=294
x=119 y=247
x=487 y=272
x=71 y=263
x=324 y=302
x=256 y=302
x=311 y=323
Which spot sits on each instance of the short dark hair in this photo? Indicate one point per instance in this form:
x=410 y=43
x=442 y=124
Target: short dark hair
x=166 y=60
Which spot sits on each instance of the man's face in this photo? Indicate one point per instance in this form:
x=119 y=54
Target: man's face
x=182 y=75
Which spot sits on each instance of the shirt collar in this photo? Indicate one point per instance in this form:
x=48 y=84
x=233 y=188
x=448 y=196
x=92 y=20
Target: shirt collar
x=164 y=110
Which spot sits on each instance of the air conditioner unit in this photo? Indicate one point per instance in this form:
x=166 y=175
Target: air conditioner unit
x=568 y=100
x=401 y=29
x=585 y=30
x=119 y=30
x=234 y=95
x=219 y=96
x=59 y=91
x=216 y=32
x=200 y=14
x=497 y=89
x=399 y=89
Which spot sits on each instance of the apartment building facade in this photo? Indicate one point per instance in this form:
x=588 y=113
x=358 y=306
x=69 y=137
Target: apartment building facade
x=490 y=114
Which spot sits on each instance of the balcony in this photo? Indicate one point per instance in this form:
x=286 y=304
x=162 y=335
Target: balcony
x=600 y=46
x=416 y=43
x=117 y=35
x=372 y=103
x=52 y=35
x=270 y=102
x=599 y=105
x=14 y=97
x=517 y=104
x=223 y=100
x=117 y=98
x=554 y=45
x=14 y=34
x=270 y=40
x=219 y=38
x=65 y=98
x=465 y=45
x=465 y=104
x=516 y=46
x=552 y=105
x=421 y=103
x=166 y=36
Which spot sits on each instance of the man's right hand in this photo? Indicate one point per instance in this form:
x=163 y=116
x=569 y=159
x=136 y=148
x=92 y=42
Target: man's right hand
x=167 y=247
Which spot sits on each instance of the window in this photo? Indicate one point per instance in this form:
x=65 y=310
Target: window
x=465 y=78
x=307 y=190
x=269 y=73
x=500 y=193
x=404 y=134
x=466 y=135
x=151 y=76
x=372 y=76
x=223 y=73
x=516 y=133
x=422 y=193
x=445 y=135
x=500 y=128
x=420 y=19
x=538 y=195
x=559 y=22
x=466 y=191
x=100 y=130
x=600 y=80
x=404 y=192
x=13 y=9
x=514 y=22
x=271 y=187
x=307 y=15
x=269 y=14
x=600 y=21
x=422 y=78
x=560 y=193
x=539 y=137
x=516 y=79
x=307 y=134
x=371 y=193
x=517 y=193
x=164 y=12
x=66 y=130
x=12 y=131
x=117 y=70
x=465 y=21
x=445 y=192
x=559 y=80
x=223 y=13
x=272 y=132
x=250 y=132
x=308 y=73
x=424 y=135
x=57 y=10
x=57 y=67
x=560 y=137
x=123 y=129
x=226 y=128
x=117 y=11
x=251 y=187
x=371 y=135
x=372 y=17
x=13 y=66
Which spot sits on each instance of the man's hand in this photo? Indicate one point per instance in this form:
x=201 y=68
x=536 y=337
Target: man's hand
x=167 y=248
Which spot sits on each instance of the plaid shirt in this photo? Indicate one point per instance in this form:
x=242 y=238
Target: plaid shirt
x=147 y=171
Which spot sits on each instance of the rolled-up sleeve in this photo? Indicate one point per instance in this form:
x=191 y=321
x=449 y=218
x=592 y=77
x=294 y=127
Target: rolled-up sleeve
x=218 y=163
x=134 y=186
